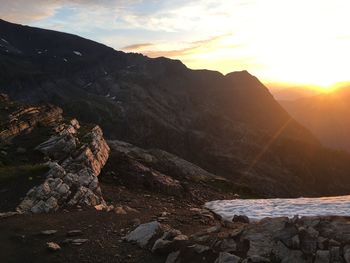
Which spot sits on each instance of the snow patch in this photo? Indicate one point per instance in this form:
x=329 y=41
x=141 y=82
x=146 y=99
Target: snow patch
x=4 y=40
x=77 y=53
x=65 y=60
x=257 y=209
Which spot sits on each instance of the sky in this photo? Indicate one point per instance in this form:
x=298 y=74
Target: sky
x=291 y=42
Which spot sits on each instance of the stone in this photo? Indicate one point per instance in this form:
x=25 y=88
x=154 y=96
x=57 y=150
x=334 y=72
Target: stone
x=79 y=241
x=161 y=246
x=48 y=232
x=225 y=257
x=261 y=236
x=228 y=245
x=144 y=233
x=200 y=248
x=322 y=256
x=52 y=246
x=172 y=257
x=181 y=238
x=241 y=219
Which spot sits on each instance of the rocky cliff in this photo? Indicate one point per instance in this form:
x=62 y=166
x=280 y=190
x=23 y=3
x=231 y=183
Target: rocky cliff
x=73 y=154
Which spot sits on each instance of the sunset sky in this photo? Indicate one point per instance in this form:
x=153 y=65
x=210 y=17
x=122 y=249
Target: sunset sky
x=280 y=41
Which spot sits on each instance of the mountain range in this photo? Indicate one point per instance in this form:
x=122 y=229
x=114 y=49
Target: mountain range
x=230 y=125
x=325 y=115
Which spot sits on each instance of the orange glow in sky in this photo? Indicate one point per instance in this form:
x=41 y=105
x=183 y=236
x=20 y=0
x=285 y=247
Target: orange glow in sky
x=297 y=42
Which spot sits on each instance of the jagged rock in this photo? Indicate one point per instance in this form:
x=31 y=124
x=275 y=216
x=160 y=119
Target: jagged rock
x=322 y=256
x=52 y=246
x=74 y=182
x=144 y=233
x=227 y=258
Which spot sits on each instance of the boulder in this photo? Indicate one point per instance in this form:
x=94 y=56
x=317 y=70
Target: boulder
x=144 y=233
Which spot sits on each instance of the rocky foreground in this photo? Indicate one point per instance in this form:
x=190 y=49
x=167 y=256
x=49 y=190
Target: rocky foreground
x=305 y=239
x=75 y=197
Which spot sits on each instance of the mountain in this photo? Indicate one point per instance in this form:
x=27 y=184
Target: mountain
x=326 y=115
x=292 y=93
x=229 y=125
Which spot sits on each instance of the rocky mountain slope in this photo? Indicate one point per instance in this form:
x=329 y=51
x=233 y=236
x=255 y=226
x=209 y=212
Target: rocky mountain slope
x=228 y=125
x=326 y=115
x=47 y=161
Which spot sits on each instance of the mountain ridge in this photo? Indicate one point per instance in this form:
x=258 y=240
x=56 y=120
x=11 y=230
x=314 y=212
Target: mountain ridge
x=230 y=125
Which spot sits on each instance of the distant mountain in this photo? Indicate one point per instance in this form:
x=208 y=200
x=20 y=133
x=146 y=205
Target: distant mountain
x=230 y=125
x=292 y=93
x=326 y=115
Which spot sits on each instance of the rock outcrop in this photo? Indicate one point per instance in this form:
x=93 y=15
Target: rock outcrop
x=72 y=178
x=305 y=239
x=24 y=118
x=159 y=171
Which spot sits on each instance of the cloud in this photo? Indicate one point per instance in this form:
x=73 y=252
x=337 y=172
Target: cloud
x=27 y=11
x=136 y=47
x=194 y=47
